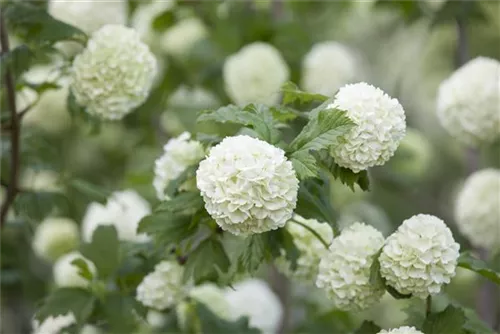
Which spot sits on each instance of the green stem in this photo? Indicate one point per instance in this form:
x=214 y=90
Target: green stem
x=316 y=234
x=428 y=307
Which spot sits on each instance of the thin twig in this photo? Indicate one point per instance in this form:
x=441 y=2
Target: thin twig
x=428 y=306
x=316 y=234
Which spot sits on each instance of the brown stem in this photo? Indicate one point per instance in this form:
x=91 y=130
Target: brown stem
x=10 y=87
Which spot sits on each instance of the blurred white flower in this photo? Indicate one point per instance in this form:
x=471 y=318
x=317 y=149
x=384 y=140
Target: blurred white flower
x=192 y=98
x=401 y=330
x=90 y=329
x=89 y=15
x=253 y=298
x=156 y=319
x=414 y=155
x=311 y=249
x=362 y=211
x=54 y=325
x=344 y=271
x=255 y=74
x=420 y=256
x=163 y=287
x=327 y=67
x=380 y=126
x=248 y=185
x=55 y=237
x=468 y=102
x=67 y=274
x=114 y=74
x=123 y=210
x=181 y=38
x=178 y=154
x=477 y=209
x=40 y=180
x=144 y=16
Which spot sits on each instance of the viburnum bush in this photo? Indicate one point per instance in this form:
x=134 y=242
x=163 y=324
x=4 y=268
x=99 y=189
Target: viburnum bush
x=162 y=172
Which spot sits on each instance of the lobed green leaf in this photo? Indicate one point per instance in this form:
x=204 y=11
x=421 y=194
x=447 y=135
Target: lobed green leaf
x=468 y=261
x=103 y=250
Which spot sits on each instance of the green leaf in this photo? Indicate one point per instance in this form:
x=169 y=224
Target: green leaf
x=368 y=327
x=415 y=314
x=411 y=10
x=375 y=275
x=36 y=26
x=18 y=60
x=292 y=93
x=103 y=250
x=474 y=324
x=292 y=253
x=167 y=229
x=449 y=321
x=93 y=191
x=211 y=323
x=203 y=262
x=163 y=21
x=121 y=313
x=253 y=254
x=174 y=185
x=184 y=203
x=450 y=11
x=468 y=261
x=38 y=205
x=304 y=165
x=395 y=293
x=208 y=139
x=283 y=114
x=79 y=301
x=83 y=269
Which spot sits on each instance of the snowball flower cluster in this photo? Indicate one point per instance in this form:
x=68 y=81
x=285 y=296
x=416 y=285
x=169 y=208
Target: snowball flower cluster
x=254 y=299
x=54 y=324
x=181 y=38
x=468 y=102
x=311 y=249
x=419 y=257
x=248 y=185
x=55 y=237
x=344 y=271
x=114 y=74
x=401 y=330
x=163 y=287
x=178 y=154
x=380 y=126
x=255 y=74
x=89 y=15
x=123 y=210
x=67 y=274
x=327 y=67
x=477 y=210
x=192 y=98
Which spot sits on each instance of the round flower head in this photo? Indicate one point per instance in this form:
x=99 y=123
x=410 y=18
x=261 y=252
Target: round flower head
x=380 y=126
x=189 y=98
x=477 y=210
x=89 y=15
x=114 y=74
x=420 y=256
x=327 y=67
x=178 y=154
x=468 y=102
x=162 y=288
x=254 y=299
x=180 y=39
x=248 y=185
x=414 y=155
x=401 y=330
x=311 y=249
x=255 y=74
x=123 y=210
x=67 y=274
x=54 y=324
x=55 y=237
x=344 y=271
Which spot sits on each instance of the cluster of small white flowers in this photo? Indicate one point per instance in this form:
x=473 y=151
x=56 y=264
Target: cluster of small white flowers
x=162 y=288
x=420 y=256
x=123 y=210
x=89 y=15
x=40 y=180
x=179 y=40
x=255 y=74
x=477 y=210
x=468 y=102
x=344 y=271
x=311 y=249
x=253 y=298
x=327 y=67
x=401 y=330
x=248 y=185
x=192 y=98
x=54 y=237
x=67 y=275
x=380 y=126
x=144 y=16
x=54 y=325
x=178 y=154
x=114 y=74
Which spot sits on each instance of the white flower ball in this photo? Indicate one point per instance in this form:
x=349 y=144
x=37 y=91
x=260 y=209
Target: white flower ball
x=192 y=98
x=254 y=299
x=178 y=154
x=144 y=16
x=401 y=330
x=414 y=155
x=40 y=181
x=419 y=257
x=468 y=102
x=477 y=210
x=255 y=74
x=124 y=210
x=67 y=274
x=90 y=329
x=248 y=185
x=114 y=74
x=89 y=15
x=327 y=67
x=380 y=126
x=55 y=237
x=181 y=38
x=162 y=288
x=311 y=249
x=344 y=271
x=156 y=319
x=54 y=325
